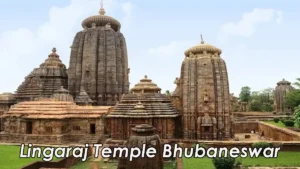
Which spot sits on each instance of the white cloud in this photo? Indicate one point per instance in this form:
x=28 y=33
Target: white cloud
x=23 y=49
x=171 y=49
x=246 y=27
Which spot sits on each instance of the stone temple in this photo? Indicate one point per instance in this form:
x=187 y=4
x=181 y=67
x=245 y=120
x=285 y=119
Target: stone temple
x=43 y=81
x=202 y=94
x=144 y=105
x=98 y=61
x=282 y=88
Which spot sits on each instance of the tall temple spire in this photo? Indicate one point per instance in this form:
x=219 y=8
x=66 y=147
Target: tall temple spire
x=102 y=10
x=202 y=42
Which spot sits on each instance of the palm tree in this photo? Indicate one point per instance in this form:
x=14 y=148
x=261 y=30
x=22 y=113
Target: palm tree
x=297 y=83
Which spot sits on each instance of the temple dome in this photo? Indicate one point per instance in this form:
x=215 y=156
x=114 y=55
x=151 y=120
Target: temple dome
x=146 y=86
x=101 y=20
x=201 y=48
x=62 y=95
x=283 y=82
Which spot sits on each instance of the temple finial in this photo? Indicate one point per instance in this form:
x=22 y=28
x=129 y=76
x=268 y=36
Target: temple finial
x=202 y=41
x=54 y=50
x=102 y=11
x=146 y=76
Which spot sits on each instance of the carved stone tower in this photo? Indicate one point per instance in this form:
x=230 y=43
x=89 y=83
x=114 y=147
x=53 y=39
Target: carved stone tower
x=282 y=88
x=43 y=81
x=204 y=94
x=98 y=61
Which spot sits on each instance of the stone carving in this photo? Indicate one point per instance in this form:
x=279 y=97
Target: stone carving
x=108 y=61
x=203 y=90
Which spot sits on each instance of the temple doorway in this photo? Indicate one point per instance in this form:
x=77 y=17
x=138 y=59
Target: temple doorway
x=92 y=129
x=28 y=127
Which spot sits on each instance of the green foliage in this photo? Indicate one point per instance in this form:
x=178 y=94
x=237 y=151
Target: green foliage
x=276 y=120
x=292 y=98
x=223 y=162
x=297 y=83
x=255 y=106
x=262 y=145
x=289 y=123
x=262 y=101
x=245 y=95
x=297 y=116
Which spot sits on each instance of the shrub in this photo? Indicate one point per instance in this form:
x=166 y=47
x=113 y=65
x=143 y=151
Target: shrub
x=276 y=120
x=289 y=123
x=261 y=145
x=282 y=121
x=224 y=162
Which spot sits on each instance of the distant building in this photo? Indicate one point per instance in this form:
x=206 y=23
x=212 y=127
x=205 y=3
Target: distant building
x=282 y=88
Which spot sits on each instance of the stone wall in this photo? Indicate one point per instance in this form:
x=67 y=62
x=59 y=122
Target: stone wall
x=267 y=130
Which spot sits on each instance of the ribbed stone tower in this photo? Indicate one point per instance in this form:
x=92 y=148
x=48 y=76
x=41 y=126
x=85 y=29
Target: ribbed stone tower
x=143 y=134
x=204 y=94
x=282 y=88
x=43 y=81
x=98 y=60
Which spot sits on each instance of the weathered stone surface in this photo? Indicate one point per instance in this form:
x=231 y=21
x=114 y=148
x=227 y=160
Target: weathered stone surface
x=6 y=100
x=43 y=81
x=53 y=121
x=98 y=61
x=282 y=88
x=204 y=94
x=83 y=98
x=145 y=105
x=143 y=134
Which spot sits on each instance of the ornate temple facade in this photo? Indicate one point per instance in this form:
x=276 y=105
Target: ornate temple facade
x=6 y=100
x=282 y=88
x=43 y=81
x=55 y=120
x=202 y=94
x=98 y=61
x=144 y=105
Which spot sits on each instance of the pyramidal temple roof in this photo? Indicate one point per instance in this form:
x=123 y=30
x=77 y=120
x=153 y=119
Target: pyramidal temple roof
x=146 y=86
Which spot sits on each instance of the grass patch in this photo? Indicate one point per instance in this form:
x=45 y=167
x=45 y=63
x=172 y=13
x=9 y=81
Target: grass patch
x=9 y=157
x=279 y=124
x=284 y=159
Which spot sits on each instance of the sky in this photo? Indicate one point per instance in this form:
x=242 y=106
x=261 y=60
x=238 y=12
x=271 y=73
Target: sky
x=260 y=39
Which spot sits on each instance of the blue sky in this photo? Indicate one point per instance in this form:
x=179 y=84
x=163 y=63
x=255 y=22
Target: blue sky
x=259 y=38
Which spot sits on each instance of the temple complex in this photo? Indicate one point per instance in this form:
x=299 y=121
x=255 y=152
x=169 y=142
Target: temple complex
x=98 y=60
x=55 y=120
x=144 y=105
x=282 y=88
x=6 y=100
x=143 y=134
x=43 y=81
x=204 y=94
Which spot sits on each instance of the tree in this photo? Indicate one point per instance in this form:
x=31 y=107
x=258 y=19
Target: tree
x=292 y=99
x=168 y=93
x=297 y=83
x=297 y=116
x=245 y=95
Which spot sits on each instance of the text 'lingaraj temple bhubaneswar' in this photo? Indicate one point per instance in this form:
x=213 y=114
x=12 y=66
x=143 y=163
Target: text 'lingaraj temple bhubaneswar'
x=90 y=102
